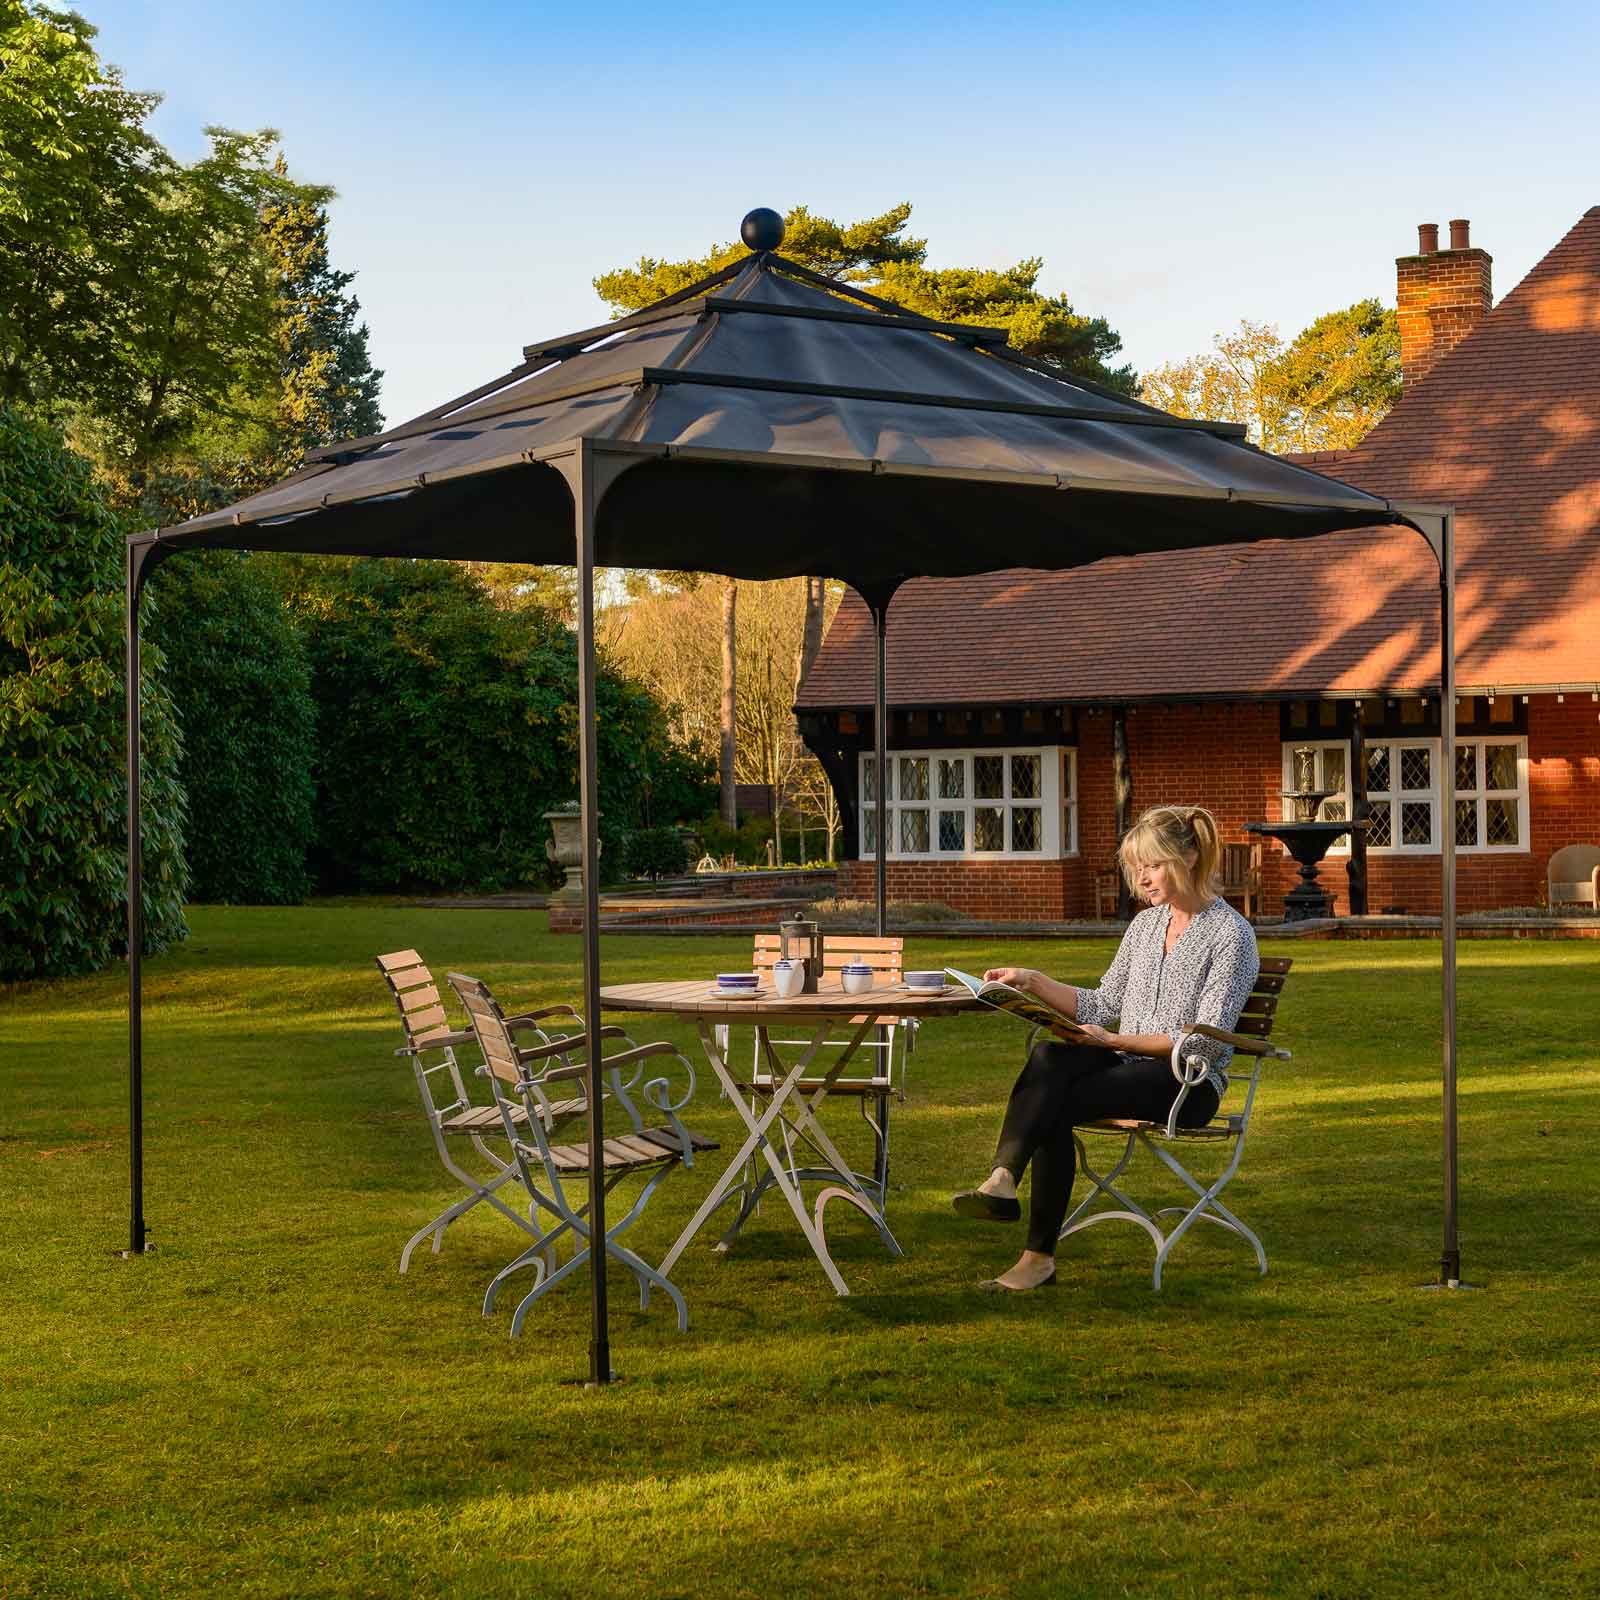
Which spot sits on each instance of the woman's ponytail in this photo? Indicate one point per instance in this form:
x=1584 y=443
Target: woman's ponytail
x=1208 y=852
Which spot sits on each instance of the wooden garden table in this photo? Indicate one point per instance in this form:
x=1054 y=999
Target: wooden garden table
x=820 y=1014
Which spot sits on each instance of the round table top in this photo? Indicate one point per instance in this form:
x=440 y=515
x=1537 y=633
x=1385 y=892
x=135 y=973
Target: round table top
x=699 y=997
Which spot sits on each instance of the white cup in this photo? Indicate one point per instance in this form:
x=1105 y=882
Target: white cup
x=788 y=978
x=856 y=982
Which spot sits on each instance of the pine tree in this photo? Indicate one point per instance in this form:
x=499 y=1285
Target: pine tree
x=330 y=387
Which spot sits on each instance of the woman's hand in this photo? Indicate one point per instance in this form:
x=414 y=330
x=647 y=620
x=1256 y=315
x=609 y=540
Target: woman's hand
x=1101 y=1035
x=1018 y=977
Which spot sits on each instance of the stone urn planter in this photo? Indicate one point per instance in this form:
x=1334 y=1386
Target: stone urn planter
x=565 y=848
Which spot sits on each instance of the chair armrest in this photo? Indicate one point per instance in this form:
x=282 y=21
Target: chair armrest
x=658 y=1091
x=561 y=1047
x=531 y=1019
x=443 y=1041
x=1241 y=1042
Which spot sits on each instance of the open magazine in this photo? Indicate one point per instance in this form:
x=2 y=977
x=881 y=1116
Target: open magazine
x=1031 y=1009
x=1028 y=1007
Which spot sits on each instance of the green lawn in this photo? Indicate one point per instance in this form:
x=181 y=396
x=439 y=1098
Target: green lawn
x=265 y=1408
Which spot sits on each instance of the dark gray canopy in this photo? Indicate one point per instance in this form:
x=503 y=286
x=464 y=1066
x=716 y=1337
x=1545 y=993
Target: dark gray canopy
x=886 y=446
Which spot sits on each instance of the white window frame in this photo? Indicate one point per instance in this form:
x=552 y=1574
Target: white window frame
x=1481 y=794
x=1056 y=803
x=1069 y=800
x=1394 y=797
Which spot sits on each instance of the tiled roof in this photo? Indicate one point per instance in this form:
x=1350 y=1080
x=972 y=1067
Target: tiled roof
x=1506 y=428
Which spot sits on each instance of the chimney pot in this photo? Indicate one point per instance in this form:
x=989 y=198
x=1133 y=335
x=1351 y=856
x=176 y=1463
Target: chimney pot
x=1427 y=238
x=1458 y=233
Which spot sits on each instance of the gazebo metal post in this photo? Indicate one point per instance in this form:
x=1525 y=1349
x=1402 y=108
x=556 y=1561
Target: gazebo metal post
x=142 y=557
x=1450 y=1262
x=1122 y=797
x=880 y=744
x=585 y=501
x=1360 y=810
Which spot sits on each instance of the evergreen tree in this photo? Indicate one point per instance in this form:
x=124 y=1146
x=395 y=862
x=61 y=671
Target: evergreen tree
x=63 y=798
x=329 y=385
x=238 y=674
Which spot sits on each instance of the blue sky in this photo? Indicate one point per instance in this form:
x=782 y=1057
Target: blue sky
x=1178 y=166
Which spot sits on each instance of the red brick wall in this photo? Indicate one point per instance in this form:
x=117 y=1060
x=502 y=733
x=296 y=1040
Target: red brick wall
x=1229 y=759
x=1000 y=891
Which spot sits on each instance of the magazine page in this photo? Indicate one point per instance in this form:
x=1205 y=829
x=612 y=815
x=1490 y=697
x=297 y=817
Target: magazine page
x=1029 y=1008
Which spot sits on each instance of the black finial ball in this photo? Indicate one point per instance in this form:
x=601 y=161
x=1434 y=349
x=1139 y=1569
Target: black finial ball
x=762 y=229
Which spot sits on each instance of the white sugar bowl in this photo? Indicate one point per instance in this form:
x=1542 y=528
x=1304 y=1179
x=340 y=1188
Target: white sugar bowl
x=856 y=977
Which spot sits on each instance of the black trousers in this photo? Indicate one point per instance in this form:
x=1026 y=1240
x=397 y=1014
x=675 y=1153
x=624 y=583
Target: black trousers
x=1064 y=1084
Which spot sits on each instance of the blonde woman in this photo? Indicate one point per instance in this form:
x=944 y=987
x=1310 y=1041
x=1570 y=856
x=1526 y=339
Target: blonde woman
x=1189 y=957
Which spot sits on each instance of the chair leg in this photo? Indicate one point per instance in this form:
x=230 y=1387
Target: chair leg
x=480 y=1192
x=647 y=1275
x=1207 y=1207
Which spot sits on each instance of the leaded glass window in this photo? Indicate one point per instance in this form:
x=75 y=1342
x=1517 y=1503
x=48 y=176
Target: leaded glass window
x=1416 y=822
x=1416 y=768
x=1491 y=795
x=988 y=828
x=1500 y=767
x=1500 y=821
x=1402 y=811
x=913 y=830
x=953 y=831
x=1379 y=832
x=966 y=803
x=1025 y=831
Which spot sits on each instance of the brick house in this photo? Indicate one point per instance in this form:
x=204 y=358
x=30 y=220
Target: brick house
x=1015 y=698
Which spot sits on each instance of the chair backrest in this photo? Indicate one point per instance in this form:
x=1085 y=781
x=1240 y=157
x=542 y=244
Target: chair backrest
x=422 y=1013
x=1570 y=875
x=1241 y=865
x=885 y=956
x=489 y=1025
x=1261 y=1009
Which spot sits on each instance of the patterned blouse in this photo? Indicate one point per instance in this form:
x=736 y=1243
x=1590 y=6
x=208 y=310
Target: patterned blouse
x=1207 y=978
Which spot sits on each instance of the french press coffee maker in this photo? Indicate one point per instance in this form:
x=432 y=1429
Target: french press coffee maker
x=799 y=940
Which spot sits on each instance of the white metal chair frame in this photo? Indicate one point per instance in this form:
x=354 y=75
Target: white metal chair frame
x=521 y=1079
x=429 y=1037
x=873 y=1094
x=1190 y=1070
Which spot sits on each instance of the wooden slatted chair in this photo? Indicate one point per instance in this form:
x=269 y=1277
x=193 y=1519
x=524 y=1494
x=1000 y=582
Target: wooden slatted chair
x=1250 y=1041
x=431 y=1044
x=522 y=1078
x=1241 y=876
x=873 y=1095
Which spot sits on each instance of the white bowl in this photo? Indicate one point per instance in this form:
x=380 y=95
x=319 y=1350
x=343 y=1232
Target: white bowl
x=855 y=982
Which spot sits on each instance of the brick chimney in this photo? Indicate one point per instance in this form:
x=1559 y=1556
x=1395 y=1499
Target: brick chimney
x=1442 y=296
